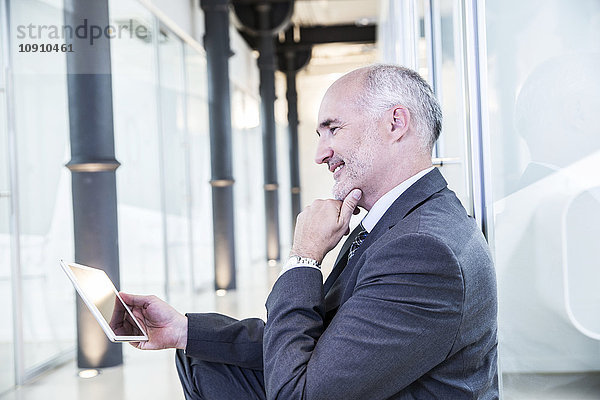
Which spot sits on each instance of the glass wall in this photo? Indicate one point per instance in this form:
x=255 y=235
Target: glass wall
x=200 y=195
x=248 y=171
x=427 y=36
x=6 y=328
x=44 y=203
x=175 y=159
x=519 y=85
x=543 y=60
x=137 y=143
x=161 y=129
x=162 y=142
x=164 y=197
x=449 y=83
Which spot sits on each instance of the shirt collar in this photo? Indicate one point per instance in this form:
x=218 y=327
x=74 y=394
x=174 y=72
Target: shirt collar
x=382 y=205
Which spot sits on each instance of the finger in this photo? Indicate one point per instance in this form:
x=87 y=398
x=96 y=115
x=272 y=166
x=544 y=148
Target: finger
x=135 y=300
x=349 y=205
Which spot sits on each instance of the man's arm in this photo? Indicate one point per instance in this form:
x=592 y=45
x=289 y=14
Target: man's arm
x=400 y=322
x=210 y=337
x=222 y=339
x=218 y=338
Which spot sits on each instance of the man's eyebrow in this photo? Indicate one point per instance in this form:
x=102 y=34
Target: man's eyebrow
x=328 y=122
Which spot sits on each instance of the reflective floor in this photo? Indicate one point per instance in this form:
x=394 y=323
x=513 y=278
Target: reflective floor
x=144 y=375
x=573 y=386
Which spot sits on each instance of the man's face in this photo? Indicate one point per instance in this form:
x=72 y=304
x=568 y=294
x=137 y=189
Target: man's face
x=349 y=143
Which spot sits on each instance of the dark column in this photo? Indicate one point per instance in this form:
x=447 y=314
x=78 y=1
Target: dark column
x=216 y=43
x=291 y=58
x=266 y=65
x=93 y=166
x=292 y=102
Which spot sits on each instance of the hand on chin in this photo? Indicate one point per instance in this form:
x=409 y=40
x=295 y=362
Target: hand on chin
x=321 y=225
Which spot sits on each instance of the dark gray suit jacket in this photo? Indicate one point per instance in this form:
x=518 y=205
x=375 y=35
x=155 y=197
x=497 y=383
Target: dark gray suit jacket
x=411 y=315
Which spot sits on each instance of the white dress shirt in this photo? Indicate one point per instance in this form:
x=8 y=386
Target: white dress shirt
x=375 y=213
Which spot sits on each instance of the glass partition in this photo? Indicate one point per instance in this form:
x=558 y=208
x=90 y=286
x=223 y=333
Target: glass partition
x=175 y=159
x=162 y=142
x=429 y=38
x=161 y=131
x=543 y=60
x=199 y=169
x=452 y=145
x=6 y=312
x=137 y=148
x=45 y=202
x=249 y=185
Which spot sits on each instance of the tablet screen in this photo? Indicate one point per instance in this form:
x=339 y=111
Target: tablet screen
x=100 y=290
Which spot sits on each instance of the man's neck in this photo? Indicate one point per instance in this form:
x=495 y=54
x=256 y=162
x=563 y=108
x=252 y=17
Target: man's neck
x=387 y=184
x=385 y=202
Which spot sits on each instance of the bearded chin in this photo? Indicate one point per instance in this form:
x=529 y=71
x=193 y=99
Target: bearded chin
x=340 y=191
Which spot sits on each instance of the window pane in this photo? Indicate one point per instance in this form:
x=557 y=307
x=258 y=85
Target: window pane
x=543 y=62
x=6 y=314
x=174 y=149
x=134 y=82
x=45 y=202
x=249 y=177
x=199 y=170
x=452 y=144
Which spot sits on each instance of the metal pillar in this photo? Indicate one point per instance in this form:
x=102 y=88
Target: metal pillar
x=292 y=102
x=291 y=58
x=266 y=65
x=93 y=166
x=216 y=43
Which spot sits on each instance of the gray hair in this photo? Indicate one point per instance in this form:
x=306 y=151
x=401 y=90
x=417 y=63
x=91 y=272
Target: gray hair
x=389 y=85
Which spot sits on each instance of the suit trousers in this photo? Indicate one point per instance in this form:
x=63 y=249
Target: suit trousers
x=215 y=381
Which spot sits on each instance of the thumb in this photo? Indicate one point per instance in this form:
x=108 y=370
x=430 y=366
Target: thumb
x=349 y=205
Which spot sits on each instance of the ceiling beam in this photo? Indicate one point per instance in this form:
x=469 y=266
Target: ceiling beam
x=312 y=35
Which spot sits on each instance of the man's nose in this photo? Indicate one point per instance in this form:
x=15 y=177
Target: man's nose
x=324 y=151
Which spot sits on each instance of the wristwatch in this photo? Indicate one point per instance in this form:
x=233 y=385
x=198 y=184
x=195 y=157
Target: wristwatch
x=297 y=260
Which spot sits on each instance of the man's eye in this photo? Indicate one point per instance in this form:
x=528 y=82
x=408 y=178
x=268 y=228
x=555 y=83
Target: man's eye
x=334 y=129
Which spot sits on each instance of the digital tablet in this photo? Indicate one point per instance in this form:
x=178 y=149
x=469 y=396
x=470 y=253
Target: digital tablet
x=102 y=298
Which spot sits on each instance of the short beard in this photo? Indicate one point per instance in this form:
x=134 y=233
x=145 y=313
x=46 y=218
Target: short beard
x=356 y=166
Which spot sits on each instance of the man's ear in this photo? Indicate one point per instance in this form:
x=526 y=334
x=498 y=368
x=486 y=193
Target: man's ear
x=400 y=122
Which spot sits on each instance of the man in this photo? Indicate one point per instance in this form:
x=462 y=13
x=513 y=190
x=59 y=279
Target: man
x=409 y=310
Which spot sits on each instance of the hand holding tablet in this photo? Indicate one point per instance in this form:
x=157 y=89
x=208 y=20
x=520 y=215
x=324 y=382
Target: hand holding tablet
x=165 y=326
x=102 y=299
x=146 y=321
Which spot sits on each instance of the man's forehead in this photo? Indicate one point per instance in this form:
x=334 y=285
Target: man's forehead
x=340 y=98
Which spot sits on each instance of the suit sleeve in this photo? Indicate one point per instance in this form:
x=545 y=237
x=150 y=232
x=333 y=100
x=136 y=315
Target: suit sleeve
x=222 y=339
x=400 y=322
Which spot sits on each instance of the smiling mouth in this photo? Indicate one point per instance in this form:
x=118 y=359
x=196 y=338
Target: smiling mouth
x=337 y=170
x=335 y=166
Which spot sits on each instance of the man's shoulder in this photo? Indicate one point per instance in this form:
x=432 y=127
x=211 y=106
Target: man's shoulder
x=435 y=215
x=443 y=218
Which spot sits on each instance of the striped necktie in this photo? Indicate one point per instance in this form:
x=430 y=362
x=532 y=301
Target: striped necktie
x=357 y=242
